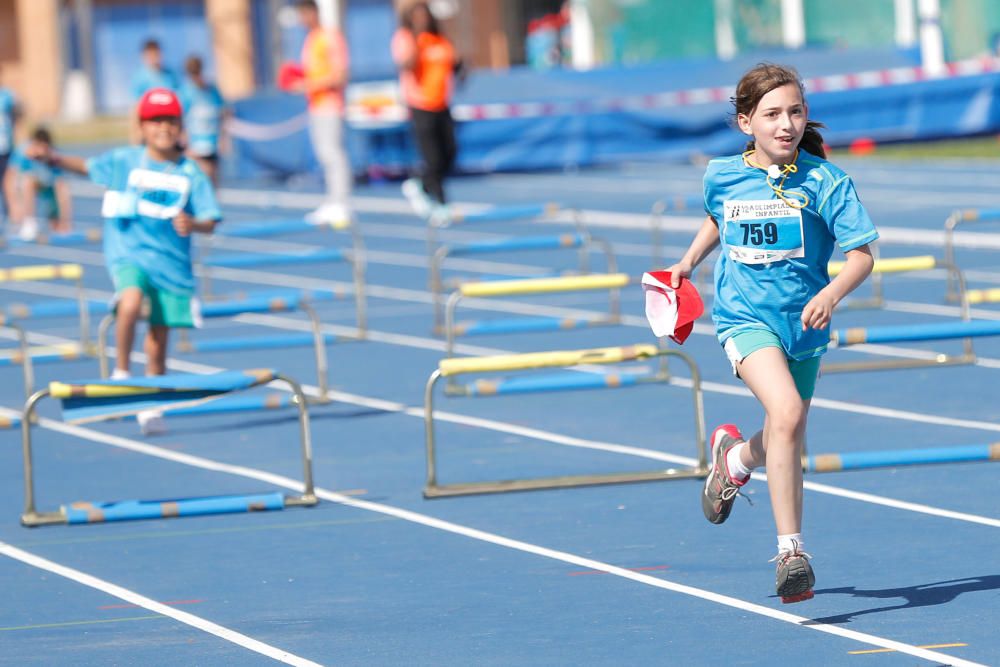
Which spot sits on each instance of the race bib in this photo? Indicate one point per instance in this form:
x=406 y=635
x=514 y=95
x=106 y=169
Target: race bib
x=762 y=231
x=157 y=194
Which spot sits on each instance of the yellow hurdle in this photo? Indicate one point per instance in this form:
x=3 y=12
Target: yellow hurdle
x=520 y=362
x=983 y=295
x=894 y=265
x=545 y=285
x=41 y=272
x=566 y=359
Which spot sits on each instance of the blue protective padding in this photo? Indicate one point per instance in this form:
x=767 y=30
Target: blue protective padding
x=555 y=382
x=272 y=228
x=290 y=301
x=229 y=404
x=58 y=308
x=905 y=457
x=923 y=332
x=504 y=213
x=271 y=259
x=257 y=342
x=523 y=325
x=177 y=389
x=126 y=510
x=518 y=243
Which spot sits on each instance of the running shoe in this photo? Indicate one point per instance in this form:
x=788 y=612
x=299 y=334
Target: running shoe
x=151 y=422
x=720 y=488
x=414 y=192
x=794 y=577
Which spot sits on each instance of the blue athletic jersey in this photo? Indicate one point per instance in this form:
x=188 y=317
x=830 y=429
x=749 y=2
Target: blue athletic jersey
x=142 y=199
x=146 y=78
x=774 y=257
x=7 y=107
x=202 y=117
x=45 y=175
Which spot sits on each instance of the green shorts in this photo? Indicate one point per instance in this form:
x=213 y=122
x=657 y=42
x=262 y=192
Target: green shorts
x=165 y=308
x=742 y=344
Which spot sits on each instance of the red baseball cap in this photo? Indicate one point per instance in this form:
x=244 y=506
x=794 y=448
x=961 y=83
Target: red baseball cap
x=671 y=312
x=159 y=103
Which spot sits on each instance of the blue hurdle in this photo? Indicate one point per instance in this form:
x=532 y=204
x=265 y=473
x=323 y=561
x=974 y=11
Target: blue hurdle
x=956 y=218
x=904 y=457
x=272 y=302
x=355 y=256
x=87 y=236
x=580 y=240
x=90 y=401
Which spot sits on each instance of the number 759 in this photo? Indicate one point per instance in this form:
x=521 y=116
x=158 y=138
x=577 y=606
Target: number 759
x=756 y=233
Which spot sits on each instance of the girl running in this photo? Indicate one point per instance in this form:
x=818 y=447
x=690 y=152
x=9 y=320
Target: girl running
x=777 y=210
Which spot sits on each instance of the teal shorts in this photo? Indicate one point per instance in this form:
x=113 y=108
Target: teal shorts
x=165 y=308
x=741 y=345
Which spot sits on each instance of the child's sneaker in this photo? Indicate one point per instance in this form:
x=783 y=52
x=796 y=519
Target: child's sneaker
x=794 y=577
x=414 y=192
x=720 y=488
x=151 y=422
x=28 y=230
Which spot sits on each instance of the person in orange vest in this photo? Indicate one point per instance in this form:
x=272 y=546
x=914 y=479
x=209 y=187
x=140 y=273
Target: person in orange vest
x=325 y=69
x=427 y=65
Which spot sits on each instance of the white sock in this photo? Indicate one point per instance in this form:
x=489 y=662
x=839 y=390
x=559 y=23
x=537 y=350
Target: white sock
x=737 y=470
x=119 y=374
x=792 y=543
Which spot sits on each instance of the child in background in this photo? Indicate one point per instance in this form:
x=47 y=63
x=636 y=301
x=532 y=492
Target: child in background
x=777 y=210
x=37 y=191
x=156 y=199
x=204 y=113
x=9 y=113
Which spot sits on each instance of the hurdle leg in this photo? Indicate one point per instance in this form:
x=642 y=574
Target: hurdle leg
x=28 y=367
x=308 y=497
x=656 y=231
x=319 y=343
x=358 y=263
x=31 y=517
x=102 y=344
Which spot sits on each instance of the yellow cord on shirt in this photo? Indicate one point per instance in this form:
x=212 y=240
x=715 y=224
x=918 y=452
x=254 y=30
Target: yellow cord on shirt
x=786 y=196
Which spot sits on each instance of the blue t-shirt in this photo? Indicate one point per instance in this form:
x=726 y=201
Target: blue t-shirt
x=7 y=107
x=45 y=176
x=146 y=78
x=202 y=117
x=143 y=198
x=774 y=257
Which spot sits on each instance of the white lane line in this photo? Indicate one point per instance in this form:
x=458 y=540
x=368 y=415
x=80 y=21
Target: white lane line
x=152 y=605
x=492 y=538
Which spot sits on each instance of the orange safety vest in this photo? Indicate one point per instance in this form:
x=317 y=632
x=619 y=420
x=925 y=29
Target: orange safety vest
x=324 y=52
x=428 y=85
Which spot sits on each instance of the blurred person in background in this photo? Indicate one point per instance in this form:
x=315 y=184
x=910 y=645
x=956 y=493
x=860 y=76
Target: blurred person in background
x=151 y=74
x=36 y=190
x=325 y=71
x=8 y=117
x=427 y=66
x=204 y=115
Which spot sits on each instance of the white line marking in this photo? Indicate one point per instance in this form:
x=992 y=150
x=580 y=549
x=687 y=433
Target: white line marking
x=152 y=605
x=491 y=538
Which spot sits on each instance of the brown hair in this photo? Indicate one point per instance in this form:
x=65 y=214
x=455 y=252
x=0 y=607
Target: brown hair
x=761 y=80
x=193 y=65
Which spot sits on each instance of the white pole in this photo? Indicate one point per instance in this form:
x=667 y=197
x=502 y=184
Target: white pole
x=793 y=24
x=906 y=24
x=329 y=13
x=725 y=38
x=581 y=35
x=931 y=40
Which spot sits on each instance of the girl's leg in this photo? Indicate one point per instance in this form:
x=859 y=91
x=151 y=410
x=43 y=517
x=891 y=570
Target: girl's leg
x=126 y=315
x=766 y=374
x=156 y=350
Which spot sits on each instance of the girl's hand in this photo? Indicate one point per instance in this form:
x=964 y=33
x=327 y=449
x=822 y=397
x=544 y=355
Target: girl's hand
x=183 y=224
x=677 y=271
x=817 y=313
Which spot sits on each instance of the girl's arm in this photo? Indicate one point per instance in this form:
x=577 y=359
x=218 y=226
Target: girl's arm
x=705 y=241
x=817 y=313
x=65 y=203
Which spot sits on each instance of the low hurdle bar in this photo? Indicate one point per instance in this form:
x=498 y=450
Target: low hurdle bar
x=24 y=355
x=581 y=240
x=293 y=300
x=845 y=461
x=511 y=213
x=355 y=256
x=561 y=359
x=613 y=282
x=956 y=218
x=91 y=399
x=84 y=237
x=879 y=269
